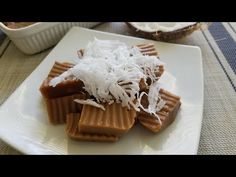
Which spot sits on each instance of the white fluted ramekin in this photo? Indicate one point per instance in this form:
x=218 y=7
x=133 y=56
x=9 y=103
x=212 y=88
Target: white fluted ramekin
x=41 y=35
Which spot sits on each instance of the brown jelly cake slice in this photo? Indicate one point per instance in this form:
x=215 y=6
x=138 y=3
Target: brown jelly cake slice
x=167 y=114
x=115 y=120
x=58 y=108
x=65 y=88
x=74 y=133
x=147 y=49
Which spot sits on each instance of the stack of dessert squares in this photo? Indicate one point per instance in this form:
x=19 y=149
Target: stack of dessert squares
x=89 y=123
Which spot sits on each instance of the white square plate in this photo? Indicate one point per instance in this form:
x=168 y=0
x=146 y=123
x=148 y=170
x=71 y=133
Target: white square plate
x=23 y=117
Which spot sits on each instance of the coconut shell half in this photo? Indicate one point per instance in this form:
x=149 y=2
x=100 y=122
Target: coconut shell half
x=165 y=36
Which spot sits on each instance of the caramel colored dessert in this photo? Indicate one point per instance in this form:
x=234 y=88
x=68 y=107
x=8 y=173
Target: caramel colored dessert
x=148 y=49
x=58 y=108
x=72 y=86
x=144 y=85
x=89 y=123
x=73 y=131
x=60 y=99
x=58 y=68
x=64 y=92
x=115 y=120
x=167 y=114
x=68 y=87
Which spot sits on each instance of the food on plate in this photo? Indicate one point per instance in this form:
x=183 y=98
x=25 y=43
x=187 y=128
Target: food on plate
x=114 y=120
x=147 y=49
x=73 y=132
x=109 y=88
x=59 y=99
x=67 y=87
x=58 y=108
x=167 y=114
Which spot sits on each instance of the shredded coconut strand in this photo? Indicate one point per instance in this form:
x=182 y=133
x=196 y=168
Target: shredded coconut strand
x=90 y=102
x=111 y=71
x=154 y=100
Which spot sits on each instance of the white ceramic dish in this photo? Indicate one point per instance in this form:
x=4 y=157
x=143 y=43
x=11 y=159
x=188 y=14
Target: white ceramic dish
x=24 y=123
x=41 y=35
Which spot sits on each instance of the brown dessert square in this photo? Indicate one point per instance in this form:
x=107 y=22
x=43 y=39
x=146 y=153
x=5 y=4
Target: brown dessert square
x=65 y=88
x=73 y=131
x=167 y=114
x=58 y=108
x=115 y=120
